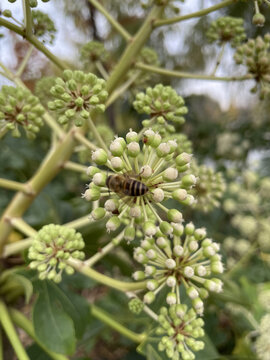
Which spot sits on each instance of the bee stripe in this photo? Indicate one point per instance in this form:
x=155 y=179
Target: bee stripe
x=133 y=188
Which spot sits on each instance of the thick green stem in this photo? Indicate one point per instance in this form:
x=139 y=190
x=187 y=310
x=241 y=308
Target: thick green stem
x=10 y=331
x=111 y=20
x=1 y=344
x=22 y=226
x=196 y=14
x=70 y=165
x=12 y=185
x=185 y=75
x=20 y=320
x=79 y=137
x=133 y=49
x=27 y=18
x=79 y=223
x=49 y=168
x=107 y=319
x=103 y=279
x=16 y=247
x=119 y=91
x=34 y=41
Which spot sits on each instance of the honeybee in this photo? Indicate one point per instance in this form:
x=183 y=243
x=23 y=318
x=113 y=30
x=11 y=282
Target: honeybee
x=125 y=185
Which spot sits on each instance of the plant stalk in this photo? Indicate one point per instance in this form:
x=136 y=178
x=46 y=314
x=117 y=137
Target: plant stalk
x=10 y=331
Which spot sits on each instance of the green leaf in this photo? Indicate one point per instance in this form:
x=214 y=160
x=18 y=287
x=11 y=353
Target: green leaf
x=36 y=353
x=74 y=305
x=53 y=327
x=209 y=352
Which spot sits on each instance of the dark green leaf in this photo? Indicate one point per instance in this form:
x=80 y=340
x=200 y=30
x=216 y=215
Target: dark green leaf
x=53 y=327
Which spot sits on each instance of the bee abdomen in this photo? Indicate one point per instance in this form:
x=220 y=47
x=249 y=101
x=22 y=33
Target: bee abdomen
x=137 y=188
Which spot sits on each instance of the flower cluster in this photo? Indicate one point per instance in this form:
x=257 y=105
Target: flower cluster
x=189 y=260
x=77 y=94
x=136 y=306
x=32 y=3
x=142 y=78
x=52 y=247
x=248 y=203
x=183 y=143
x=180 y=329
x=255 y=54
x=43 y=26
x=143 y=174
x=92 y=52
x=163 y=105
x=209 y=187
x=19 y=108
x=231 y=146
x=262 y=344
x=227 y=29
x=105 y=133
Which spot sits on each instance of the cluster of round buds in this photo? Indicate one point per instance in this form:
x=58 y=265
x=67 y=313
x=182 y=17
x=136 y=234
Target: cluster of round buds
x=145 y=4
x=43 y=87
x=43 y=26
x=92 y=52
x=183 y=143
x=262 y=343
x=163 y=105
x=235 y=249
x=209 y=187
x=136 y=306
x=227 y=29
x=19 y=108
x=105 y=133
x=52 y=247
x=32 y=3
x=143 y=173
x=255 y=54
x=258 y=18
x=77 y=94
x=141 y=77
x=231 y=146
x=180 y=329
x=189 y=260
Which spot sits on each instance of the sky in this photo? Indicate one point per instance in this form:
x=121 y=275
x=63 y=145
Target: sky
x=227 y=94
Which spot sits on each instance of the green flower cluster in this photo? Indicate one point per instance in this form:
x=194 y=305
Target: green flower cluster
x=92 y=52
x=105 y=133
x=32 y=3
x=19 y=108
x=43 y=26
x=77 y=94
x=163 y=105
x=231 y=146
x=227 y=29
x=189 y=259
x=136 y=306
x=51 y=248
x=180 y=329
x=255 y=55
x=209 y=187
x=144 y=172
x=248 y=202
x=262 y=343
x=183 y=143
x=142 y=78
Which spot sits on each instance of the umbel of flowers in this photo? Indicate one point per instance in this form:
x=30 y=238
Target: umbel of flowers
x=51 y=248
x=190 y=260
x=164 y=106
x=255 y=54
x=77 y=94
x=180 y=329
x=227 y=29
x=209 y=187
x=43 y=26
x=20 y=109
x=140 y=175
